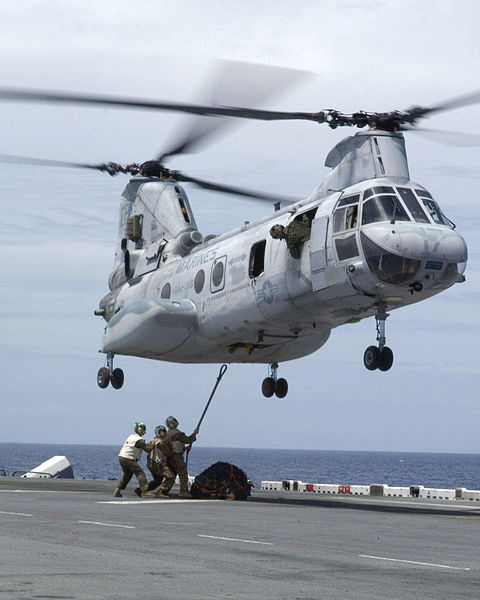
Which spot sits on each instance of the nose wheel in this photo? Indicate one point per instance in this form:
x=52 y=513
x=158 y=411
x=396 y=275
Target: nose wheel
x=380 y=357
x=110 y=375
x=271 y=385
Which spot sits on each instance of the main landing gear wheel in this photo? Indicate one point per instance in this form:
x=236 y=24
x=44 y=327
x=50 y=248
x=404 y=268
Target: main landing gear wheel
x=108 y=375
x=371 y=358
x=103 y=377
x=281 y=388
x=271 y=385
x=268 y=387
x=386 y=359
x=380 y=358
x=117 y=379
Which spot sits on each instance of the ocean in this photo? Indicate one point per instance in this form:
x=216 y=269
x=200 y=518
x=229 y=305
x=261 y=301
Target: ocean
x=310 y=466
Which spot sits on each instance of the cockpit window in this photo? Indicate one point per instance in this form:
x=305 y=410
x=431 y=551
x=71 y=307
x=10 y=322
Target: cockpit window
x=346 y=214
x=379 y=189
x=433 y=209
x=383 y=208
x=413 y=205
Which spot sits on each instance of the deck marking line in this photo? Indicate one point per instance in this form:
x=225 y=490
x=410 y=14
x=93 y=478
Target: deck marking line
x=107 y=524
x=228 y=539
x=414 y=562
x=157 y=501
x=4 y=512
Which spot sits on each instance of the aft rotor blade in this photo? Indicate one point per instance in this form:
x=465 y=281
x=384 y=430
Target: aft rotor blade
x=44 y=162
x=218 y=187
x=134 y=169
x=194 y=109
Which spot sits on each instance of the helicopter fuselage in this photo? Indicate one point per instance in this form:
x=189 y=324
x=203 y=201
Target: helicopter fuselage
x=242 y=297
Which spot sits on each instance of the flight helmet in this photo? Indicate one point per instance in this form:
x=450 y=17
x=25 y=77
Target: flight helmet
x=171 y=422
x=139 y=425
x=159 y=429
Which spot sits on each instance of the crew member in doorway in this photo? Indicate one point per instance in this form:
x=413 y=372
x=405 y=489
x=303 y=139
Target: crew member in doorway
x=295 y=234
x=163 y=476
x=129 y=456
x=176 y=461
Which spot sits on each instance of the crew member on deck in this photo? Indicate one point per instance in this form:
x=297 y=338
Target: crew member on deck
x=176 y=461
x=129 y=456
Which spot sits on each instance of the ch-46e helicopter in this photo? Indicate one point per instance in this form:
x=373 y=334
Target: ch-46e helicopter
x=376 y=241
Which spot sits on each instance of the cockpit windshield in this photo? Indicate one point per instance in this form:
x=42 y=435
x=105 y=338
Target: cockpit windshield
x=385 y=203
x=383 y=208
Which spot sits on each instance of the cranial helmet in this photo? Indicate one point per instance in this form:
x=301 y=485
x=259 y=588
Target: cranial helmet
x=139 y=425
x=171 y=422
x=277 y=232
x=159 y=429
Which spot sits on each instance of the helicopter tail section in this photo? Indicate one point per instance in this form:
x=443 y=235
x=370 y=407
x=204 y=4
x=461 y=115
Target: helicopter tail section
x=149 y=327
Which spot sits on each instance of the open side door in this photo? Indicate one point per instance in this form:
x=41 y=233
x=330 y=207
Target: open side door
x=318 y=249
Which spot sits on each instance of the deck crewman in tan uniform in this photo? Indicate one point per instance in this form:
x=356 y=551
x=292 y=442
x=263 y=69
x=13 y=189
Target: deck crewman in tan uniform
x=176 y=461
x=157 y=459
x=129 y=456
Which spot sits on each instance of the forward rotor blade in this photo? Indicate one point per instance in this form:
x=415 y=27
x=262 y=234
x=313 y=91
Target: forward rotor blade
x=465 y=100
x=450 y=138
x=194 y=109
x=232 y=82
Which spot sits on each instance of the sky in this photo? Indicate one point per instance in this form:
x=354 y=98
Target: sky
x=58 y=226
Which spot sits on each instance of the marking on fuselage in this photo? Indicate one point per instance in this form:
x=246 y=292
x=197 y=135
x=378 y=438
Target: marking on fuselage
x=106 y=524
x=228 y=539
x=268 y=292
x=414 y=562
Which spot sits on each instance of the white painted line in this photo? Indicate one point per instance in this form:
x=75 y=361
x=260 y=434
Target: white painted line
x=107 y=524
x=215 y=537
x=4 y=512
x=8 y=491
x=415 y=562
x=158 y=501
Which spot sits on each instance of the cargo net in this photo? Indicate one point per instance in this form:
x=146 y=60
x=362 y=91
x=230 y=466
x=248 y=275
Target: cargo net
x=221 y=480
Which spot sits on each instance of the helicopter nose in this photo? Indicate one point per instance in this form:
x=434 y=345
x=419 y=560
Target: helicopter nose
x=435 y=243
x=421 y=242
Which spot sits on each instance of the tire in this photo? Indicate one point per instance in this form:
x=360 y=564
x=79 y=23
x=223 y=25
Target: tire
x=103 y=377
x=268 y=387
x=117 y=379
x=281 y=388
x=371 y=358
x=386 y=359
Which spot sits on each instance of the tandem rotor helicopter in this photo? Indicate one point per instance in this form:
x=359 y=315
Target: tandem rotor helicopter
x=366 y=241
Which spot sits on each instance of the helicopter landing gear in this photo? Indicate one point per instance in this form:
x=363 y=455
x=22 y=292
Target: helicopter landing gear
x=380 y=358
x=110 y=375
x=271 y=385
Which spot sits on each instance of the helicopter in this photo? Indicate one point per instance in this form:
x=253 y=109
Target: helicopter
x=372 y=240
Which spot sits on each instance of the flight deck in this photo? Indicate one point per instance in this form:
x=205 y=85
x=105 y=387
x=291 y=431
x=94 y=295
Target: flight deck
x=71 y=539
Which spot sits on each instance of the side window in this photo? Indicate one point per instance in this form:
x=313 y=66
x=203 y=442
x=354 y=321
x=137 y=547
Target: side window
x=217 y=279
x=257 y=259
x=346 y=247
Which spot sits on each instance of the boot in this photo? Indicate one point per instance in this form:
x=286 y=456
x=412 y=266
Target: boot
x=138 y=491
x=185 y=495
x=147 y=494
x=161 y=494
x=117 y=493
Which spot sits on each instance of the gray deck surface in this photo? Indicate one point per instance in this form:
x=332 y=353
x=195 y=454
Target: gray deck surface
x=72 y=539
